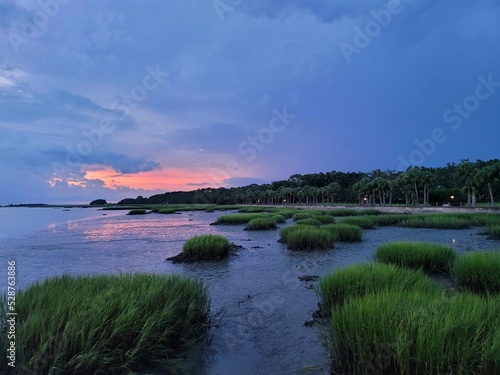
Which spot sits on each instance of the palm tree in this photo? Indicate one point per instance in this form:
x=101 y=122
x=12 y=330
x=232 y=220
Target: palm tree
x=470 y=175
x=406 y=188
x=358 y=189
x=392 y=186
x=487 y=175
x=381 y=184
x=362 y=188
x=333 y=189
x=307 y=191
x=427 y=179
x=414 y=176
x=315 y=192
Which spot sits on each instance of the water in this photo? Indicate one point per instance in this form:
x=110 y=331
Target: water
x=262 y=303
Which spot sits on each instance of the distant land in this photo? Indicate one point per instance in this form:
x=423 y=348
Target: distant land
x=467 y=184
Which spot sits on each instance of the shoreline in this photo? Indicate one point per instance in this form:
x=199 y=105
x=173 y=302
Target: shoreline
x=394 y=209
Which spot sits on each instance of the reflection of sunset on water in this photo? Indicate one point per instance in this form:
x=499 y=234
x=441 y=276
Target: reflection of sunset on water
x=159 y=226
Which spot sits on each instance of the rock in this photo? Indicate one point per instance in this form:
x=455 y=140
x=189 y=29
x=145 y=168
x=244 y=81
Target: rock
x=308 y=278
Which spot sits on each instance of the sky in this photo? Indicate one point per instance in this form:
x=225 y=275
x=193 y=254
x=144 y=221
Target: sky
x=119 y=98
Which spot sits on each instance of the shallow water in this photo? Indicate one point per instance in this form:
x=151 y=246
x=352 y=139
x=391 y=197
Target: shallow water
x=264 y=305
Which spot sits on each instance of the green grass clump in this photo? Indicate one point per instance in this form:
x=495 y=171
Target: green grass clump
x=261 y=223
x=167 y=211
x=345 y=232
x=206 y=247
x=312 y=222
x=481 y=219
x=307 y=237
x=287 y=212
x=432 y=258
x=363 y=222
x=234 y=219
x=138 y=211
x=321 y=212
x=279 y=218
x=370 y=211
x=358 y=280
x=343 y=212
x=494 y=232
x=108 y=324
x=284 y=232
x=478 y=271
x=410 y=332
x=325 y=219
x=303 y=215
x=436 y=221
x=388 y=219
x=252 y=210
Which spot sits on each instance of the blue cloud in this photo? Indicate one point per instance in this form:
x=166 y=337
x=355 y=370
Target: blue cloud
x=217 y=137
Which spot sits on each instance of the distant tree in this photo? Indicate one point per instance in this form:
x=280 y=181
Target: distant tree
x=427 y=180
x=332 y=189
x=99 y=202
x=414 y=177
x=487 y=175
x=470 y=175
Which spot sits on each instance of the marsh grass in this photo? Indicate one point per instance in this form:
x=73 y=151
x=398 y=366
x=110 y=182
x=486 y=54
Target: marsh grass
x=261 y=223
x=303 y=215
x=311 y=221
x=287 y=212
x=284 y=232
x=235 y=219
x=167 y=211
x=480 y=219
x=358 y=280
x=431 y=257
x=320 y=212
x=308 y=237
x=437 y=221
x=325 y=219
x=370 y=211
x=343 y=212
x=411 y=332
x=363 y=222
x=108 y=324
x=388 y=219
x=478 y=271
x=345 y=232
x=280 y=219
x=137 y=211
x=206 y=247
x=494 y=232
x=253 y=210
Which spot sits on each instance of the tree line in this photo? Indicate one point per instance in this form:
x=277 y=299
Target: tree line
x=464 y=184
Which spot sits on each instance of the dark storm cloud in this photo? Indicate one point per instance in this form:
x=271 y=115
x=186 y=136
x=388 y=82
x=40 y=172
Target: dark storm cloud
x=212 y=137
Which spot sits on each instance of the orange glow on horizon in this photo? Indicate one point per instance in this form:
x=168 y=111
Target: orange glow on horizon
x=166 y=179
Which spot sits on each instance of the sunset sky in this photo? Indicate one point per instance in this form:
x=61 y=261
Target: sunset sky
x=114 y=99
